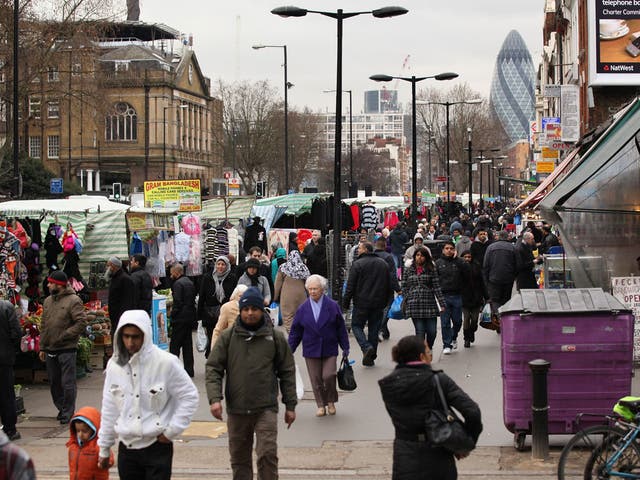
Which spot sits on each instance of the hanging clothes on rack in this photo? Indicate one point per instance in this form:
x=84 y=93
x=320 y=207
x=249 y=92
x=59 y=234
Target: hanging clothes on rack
x=369 y=214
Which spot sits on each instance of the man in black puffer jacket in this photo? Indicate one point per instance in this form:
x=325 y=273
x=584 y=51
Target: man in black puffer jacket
x=142 y=283
x=183 y=316
x=499 y=270
x=10 y=334
x=369 y=285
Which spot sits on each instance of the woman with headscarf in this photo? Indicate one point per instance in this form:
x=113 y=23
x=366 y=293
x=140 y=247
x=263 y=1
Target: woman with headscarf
x=289 y=287
x=229 y=313
x=293 y=242
x=215 y=290
x=252 y=278
x=280 y=257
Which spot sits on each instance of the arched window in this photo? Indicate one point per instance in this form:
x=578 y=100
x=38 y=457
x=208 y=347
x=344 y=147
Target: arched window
x=122 y=123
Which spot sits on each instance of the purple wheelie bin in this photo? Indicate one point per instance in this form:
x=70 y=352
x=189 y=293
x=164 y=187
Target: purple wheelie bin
x=587 y=335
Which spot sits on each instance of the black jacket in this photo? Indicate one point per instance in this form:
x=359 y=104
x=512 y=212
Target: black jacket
x=478 y=250
x=208 y=296
x=500 y=263
x=255 y=236
x=184 y=301
x=10 y=333
x=397 y=240
x=369 y=283
x=408 y=393
x=549 y=240
x=144 y=289
x=476 y=293
x=525 y=263
x=453 y=273
x=121 y=296
x=387 y=257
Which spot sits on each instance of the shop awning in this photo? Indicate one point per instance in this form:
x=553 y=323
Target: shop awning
x=73 y=204
x=380 y=202
x=541 y=190
x=296 y=203
x=231 y=208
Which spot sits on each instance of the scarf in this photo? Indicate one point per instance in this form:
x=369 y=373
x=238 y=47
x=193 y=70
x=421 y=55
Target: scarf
x=295 y=267
x=218 y=278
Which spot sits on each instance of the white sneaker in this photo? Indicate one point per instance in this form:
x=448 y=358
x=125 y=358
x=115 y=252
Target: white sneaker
x=446 y=351
x=454 y=344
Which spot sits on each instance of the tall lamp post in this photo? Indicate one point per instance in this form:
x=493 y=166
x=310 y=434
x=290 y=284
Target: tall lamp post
x=16 y=99
x=473 y=101
x=492 y=190
x=470 y=165
x=287 y=86
x=164 y=135
x=350 y=132
x=414 y=142
x=339 y=16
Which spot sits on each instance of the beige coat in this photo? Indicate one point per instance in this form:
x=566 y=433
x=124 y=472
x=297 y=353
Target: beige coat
x=228 y=314
x=290 y=292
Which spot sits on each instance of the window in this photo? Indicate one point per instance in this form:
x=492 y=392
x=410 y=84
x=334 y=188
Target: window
x=76 y=69
x=2 y=79
x=53 y=74
x=121 y=65
x=35 y=147
x=53 y=146
x=35 y=104
x=53 y=109
x=121 y=124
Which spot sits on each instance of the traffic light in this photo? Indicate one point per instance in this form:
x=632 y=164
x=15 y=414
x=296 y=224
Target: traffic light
x=260 y=189
x=117 y=191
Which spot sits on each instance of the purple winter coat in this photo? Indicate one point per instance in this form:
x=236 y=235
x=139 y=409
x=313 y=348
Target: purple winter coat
x=319 y=339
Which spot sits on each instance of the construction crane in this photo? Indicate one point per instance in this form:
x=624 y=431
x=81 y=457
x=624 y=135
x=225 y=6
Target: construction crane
x=385 y=96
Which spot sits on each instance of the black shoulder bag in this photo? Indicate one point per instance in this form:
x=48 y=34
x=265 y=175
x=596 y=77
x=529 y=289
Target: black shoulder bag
x=445 y=429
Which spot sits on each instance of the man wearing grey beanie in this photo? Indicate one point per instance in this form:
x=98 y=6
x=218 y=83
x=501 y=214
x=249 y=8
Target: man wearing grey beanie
x=121 y=291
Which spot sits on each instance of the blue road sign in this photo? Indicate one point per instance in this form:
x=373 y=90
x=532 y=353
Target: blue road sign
x=56 y=186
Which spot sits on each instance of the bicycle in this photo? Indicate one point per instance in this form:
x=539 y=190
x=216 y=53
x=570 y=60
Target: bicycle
x=611 y=450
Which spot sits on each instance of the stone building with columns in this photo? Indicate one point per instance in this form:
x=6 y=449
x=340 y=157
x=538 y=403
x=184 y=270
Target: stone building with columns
x=149 y=113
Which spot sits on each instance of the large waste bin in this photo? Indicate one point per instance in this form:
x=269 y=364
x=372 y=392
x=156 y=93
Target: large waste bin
x=587 y=335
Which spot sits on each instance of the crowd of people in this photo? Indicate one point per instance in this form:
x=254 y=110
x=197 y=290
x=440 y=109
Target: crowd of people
x=444 y=270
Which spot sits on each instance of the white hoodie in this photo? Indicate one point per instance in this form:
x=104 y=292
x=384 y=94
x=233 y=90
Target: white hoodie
x=146 y=394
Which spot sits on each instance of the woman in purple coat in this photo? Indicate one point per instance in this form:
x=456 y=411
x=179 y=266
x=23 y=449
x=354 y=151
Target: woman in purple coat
x=319 y=325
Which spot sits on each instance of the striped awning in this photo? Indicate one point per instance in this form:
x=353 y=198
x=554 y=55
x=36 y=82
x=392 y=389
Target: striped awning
x=232 y=208
x=296 y=203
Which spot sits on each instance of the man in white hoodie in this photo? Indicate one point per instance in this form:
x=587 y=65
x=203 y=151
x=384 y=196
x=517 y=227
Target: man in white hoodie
x=148 y=400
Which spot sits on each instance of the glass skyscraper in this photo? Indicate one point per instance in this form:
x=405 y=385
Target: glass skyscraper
x=513 y=87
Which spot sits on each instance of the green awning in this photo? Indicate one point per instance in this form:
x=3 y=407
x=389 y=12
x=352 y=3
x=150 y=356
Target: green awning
x=232 y=208
x=296 y=203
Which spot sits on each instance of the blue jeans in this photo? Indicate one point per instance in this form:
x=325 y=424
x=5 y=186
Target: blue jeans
x=426 y=327
x=372 y=317
x=451 y=314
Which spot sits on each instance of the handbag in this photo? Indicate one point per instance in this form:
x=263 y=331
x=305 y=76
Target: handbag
x=211 y=314
x=445 y=429
x=201 y=338
x=346 y=378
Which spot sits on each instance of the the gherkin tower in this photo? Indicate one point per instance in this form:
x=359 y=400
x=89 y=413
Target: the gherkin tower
x=512 y=88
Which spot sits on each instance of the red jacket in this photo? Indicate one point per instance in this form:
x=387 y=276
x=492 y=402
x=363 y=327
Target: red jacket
x=83 y=460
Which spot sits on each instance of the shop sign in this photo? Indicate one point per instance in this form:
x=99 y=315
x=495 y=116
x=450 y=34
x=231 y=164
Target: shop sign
x=627 y=290
x=139 y=221
x=180 y=195
x=545 y=167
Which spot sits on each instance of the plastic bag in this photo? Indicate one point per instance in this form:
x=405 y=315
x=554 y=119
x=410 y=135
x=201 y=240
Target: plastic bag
x=395 y=311
x=299 y=384
x=201 y=337
x=487 y=319
x=274 y=313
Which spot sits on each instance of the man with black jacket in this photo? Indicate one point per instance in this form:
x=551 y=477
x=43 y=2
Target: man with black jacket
x=453 y=273
x=255 y=236
x=121 y=292
x=142 y=283
x=380 y=251
x=526 y=278
x=499 y=270
x=369 y=285
x=183 y=316
x=10 y=334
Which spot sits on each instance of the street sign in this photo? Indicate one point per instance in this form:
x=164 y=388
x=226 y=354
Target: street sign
x=56 y=186
x=551 y=90
x=441 y=179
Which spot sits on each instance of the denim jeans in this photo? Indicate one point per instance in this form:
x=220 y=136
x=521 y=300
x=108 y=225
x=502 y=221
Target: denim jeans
x=426 y=328
x=451 y=314
x=372 y=317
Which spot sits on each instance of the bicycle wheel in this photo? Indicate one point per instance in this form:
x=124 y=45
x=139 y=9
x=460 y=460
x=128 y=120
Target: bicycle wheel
x=628 y=461
x=577 y=452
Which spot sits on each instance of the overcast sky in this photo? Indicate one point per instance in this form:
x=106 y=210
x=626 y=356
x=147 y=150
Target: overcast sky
x=463 y=36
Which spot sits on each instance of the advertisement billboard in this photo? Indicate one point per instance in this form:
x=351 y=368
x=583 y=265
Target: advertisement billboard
x=614 y=42
x=182 y=195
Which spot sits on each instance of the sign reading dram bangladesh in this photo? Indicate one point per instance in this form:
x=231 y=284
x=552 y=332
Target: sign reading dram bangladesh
x=182 y=195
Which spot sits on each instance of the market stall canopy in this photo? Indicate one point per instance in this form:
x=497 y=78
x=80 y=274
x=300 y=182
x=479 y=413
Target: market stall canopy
x=231 y=208
x=73 y=204
x=269 y=214
x=296 y=203
x=381 y=202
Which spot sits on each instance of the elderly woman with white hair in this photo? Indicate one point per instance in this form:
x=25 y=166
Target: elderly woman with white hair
x=229 y=312
x=319 y=325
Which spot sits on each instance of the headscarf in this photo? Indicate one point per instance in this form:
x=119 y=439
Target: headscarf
x=295 y=267
x=219 y=277
x=280 y=258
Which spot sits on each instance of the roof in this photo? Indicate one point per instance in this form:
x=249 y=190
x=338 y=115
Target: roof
x=73 y=204
x=133 y=52
x=143 y=31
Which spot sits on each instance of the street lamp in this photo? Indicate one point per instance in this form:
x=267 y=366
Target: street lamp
x=15 y=109
x=447 y=105
x=414 y=142
x=500 y=168
x=470 y=165
x=492 y=190
x=287 y=86
x=164 y=135
x=350 y=133
x=339 y=15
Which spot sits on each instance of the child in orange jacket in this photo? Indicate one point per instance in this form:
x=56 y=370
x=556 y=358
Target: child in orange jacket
x=83 y=446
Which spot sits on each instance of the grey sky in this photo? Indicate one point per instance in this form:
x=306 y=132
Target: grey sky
x=463 y=36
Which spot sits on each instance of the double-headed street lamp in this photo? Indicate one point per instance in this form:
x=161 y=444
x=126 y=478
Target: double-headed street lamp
x=339 y=15
x=414 y=142
x=470 y=165
x=350 y=132
x=491 y=185
x=447 y=105
x=164 y=135
x=287 y=86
